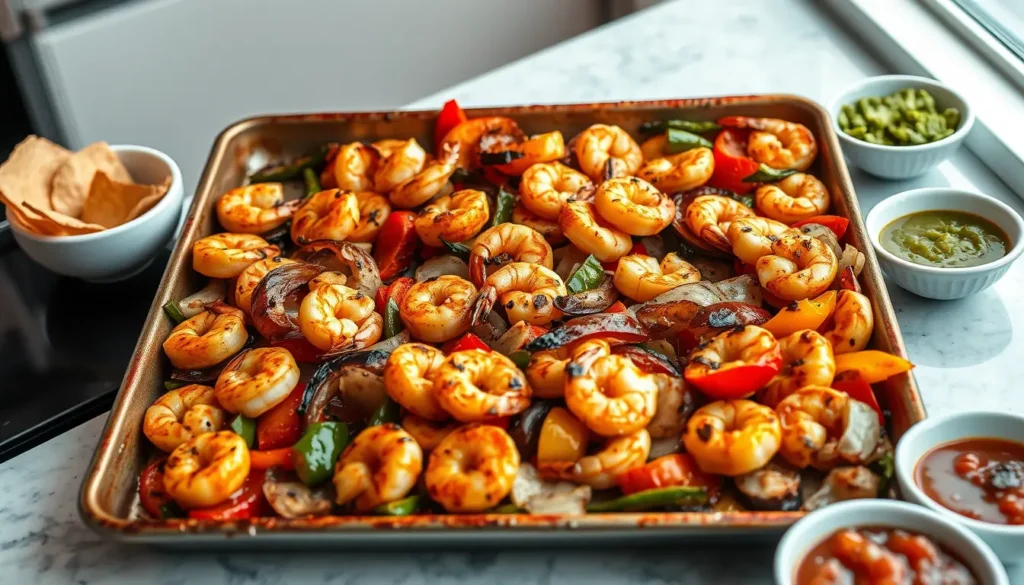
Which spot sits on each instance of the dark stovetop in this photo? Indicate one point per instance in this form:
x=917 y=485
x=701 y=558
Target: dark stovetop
x=64 y=346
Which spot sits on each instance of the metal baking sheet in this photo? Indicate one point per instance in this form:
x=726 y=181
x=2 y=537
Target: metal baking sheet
x=109 y=500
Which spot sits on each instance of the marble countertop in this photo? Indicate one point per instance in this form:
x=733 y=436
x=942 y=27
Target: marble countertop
x=964 y=349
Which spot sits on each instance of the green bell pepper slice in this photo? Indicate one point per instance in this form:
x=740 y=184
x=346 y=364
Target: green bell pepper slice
x=403 y=507
x=586 y=277
x=318 y=450
x=652 y=500
x=244 y=427
x=503 y=208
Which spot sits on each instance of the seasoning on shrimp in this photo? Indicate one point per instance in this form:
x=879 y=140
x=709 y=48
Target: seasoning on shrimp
x=732 y=437
x=710 y=216
x=794 y=198
x=592 y=234
x=546 y=187
x=634 y=206
x=779 y=144
x=807 y=360
x=799 y=267
x=429 y=182
x=468 y=134
x=205 y=470
x=601 y=469
x=438 y=310
x=257 y=380
x=822 y=427
x=354 y=166
x=547 y=228
x=527 y=291
x=472 y=469
x=409 y=376
x=541 y=148
x=605 y=152
x=400 y=160
x=427 y=433
x=334 y=316
x=642 y=278
x=227 y=255
x=250 y=278
x=679 y=172
x=373 y=210
x=454 y=218
x=328 y=215
x=752 y=237
x=207 y=339
x=181 y=414
x=506 y=243
x=382 y=464
x=609 y=393
x=851 y=324
x=477 y=385
x=254 y=209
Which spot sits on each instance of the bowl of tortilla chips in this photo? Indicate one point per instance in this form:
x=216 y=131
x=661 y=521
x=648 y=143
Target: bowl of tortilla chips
x=100 y=214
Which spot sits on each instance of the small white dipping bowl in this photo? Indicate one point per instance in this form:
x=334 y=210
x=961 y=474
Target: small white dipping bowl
x=123 y=251
x=814 y=528
x=1006 y=541
x=901 y=162
x=944 y=283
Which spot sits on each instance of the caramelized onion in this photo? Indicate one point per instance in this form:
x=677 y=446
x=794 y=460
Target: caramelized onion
x=590 y=301
x=288 y=282
x=347 y=258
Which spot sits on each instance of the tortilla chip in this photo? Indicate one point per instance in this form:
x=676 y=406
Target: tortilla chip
x=111 y=203
x=70 y=225
x=28 y=173
x=71 y=182
x=148 y=202
x=30 y=222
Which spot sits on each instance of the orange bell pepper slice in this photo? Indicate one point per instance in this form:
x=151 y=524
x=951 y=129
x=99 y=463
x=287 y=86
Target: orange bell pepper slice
x=804 y=314
x=873 y=366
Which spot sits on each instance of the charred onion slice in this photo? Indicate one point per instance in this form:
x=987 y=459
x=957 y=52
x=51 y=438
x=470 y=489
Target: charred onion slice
x=269 y=313
x=291 y=498
x=525 y=428
x=668 y=313
x=615 y=326
x=649 y=361
x=590 y=301
x=773 y=487
x=714 y=319
x=347 y=258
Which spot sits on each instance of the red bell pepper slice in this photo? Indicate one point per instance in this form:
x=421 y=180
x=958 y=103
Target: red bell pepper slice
x=264 y=460
x=280 y=426
x=617 y=307
x=302 y=350
x=846 y=279
x=151 y=489
x=742 y=268
x=396 y=290
x=247 y=502
x=396 y=244
x=732 y=382
x=451 y=116
x=857 y=388
x=677 y=469
x=465 y=343
x=428 y=252
x=732 y=164
x=837 y=224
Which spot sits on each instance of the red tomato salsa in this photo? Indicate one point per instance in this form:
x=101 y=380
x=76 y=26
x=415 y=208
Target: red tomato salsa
x=981 y=478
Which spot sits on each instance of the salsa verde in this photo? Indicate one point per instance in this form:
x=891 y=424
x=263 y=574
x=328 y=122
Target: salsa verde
x=945 y=239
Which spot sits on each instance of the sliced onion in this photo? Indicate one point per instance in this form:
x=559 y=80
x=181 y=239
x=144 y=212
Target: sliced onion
x=347 y=258
x=491 y=329
x=701 y=293
x=845 y=483
x=617 y=327
x=825 y=235
x=665 y=446
x=590 y=301
x=192 y=305
x=655 y=247
x=269 y=312
x=538 y=496
x=571 y=258
x=291 y=498
x=515 y=338
x=360 y=391
x=741 y=289
x=712 y=269
x=852 y=257
x=441 y=266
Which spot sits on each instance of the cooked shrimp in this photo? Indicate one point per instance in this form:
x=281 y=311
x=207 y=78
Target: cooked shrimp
x=605 y=152
x=456 y=217
x=227 y=255
x=547 y=186
x=545 y=227
x=506 y=243
x=373 y=210
x=329 y=215
x=676 y=402
x=807 y=360
x=400 y=160
x=592 y=234
x=852 y=323
x=205 y=470
x=794 y=198
x=472 y=469
x=326 y=279
x=468 y=134
x=381 y=465
x=254 y=209
x=823 y=427
x=655 y=147
x=710 y=216
x=752 y=237
x=541 y=148
x=799 y=267
x=409 y=376
x=634 y=206
x=777 y=143
x=438 y=310
x=641 y=278
x=478 y=385
x=427 y=433
x=247 y=281
x=679 y=172
x=526 y=290
x=608 y=392
x=181 y=414
x=601 y=469
x=733 y=348
x=207 y=339
x=354 y=166
x=257 y=380
x=427 y=183
x=334 y=316
x=732 y=437
x=546 y=372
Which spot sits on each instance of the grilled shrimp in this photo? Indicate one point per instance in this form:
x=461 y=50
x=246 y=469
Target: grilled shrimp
x=546 y=372
x=409 y=376
x=601 y=469
x=732 y=437
x=735 y=347
x=468 y=135
x=427 y=433
x=752 y=237
x=547 y=228
x=456 y=217
x=329 y=215
x=710 y=216
x=634 y=206
x=400 y=160
x=605 y=152
x=526 y=290
x=807 y=360
x=181 y=414
x=333 y=316
x=547 y=186
x=472 y=469
x=852 y=323
x=381 y=465
x=794 y=198
x=824 y=427
x=427 y=183
x=541 y=148
x=205 y=470
x=374 y=209
x=679 y=172
x=257 y=380
x=609 y=393
x=227 y=255
x=641 y=278
x=777 y=143
x=478 y=385
x=354 y=166
x=799 y=267
x=438 y=310
x=506 y=243
x=592 y=234
x=208 y=338
x=655 y=147
x=247 y=281
x=254 y=209
x=676 y=402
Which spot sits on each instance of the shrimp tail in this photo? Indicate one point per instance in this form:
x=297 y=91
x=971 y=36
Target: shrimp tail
x=483 y=304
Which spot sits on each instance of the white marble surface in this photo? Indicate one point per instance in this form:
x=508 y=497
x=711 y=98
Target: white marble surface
x=965 y=350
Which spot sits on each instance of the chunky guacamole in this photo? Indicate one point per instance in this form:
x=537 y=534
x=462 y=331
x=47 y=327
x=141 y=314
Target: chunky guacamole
x=946 y=239
x=904 y=118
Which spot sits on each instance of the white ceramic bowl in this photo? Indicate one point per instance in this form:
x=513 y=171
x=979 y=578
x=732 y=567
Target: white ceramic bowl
x=122 y=251
x=812 y=529
x=1006 y=541
x=901 y=162
x=944 y=283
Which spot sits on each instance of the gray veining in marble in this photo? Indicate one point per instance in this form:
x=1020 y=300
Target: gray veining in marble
x=965 y=350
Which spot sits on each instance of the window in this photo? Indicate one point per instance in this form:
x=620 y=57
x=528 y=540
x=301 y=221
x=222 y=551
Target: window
x=1004 y=19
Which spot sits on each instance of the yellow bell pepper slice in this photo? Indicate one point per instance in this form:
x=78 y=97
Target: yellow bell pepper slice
x=804 y=314
x=562 y=437
x=873 y=366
